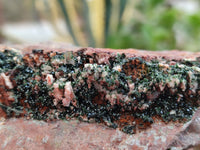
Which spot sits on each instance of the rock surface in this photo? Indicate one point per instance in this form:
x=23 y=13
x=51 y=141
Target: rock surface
x=68 y=135
x=17 y=133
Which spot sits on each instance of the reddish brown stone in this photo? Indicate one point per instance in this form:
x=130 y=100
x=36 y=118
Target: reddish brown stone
x=32 y=134
x=172 y=55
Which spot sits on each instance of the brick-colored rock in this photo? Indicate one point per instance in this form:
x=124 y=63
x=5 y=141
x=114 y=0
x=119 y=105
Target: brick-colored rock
x=18 y=133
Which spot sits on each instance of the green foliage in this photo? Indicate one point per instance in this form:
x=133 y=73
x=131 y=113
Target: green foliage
x=158 y=26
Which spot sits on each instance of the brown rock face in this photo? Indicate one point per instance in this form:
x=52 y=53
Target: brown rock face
x=67 y=135
x=19 y=133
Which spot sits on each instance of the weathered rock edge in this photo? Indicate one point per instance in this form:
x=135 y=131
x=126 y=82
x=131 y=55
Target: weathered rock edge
x=190 y=129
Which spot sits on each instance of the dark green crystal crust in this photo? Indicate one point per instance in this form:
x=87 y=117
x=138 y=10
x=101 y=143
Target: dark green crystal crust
x=125 y=93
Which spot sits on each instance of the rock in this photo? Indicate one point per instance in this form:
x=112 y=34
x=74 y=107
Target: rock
x=32 y=134
x=19 y=133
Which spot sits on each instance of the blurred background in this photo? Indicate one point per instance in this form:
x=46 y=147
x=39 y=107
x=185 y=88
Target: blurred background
x=141 y=24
